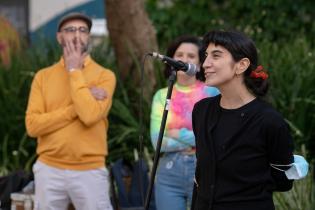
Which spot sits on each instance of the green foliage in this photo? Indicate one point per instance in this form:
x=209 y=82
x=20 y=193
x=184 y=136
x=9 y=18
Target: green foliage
x=17 y=149
x=291 y=68
x=14 y=84
x=20 y=158
x=274 y=20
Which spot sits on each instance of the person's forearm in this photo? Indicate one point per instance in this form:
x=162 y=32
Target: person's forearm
x=170 y=144
x=39 y=124
x=89 y=109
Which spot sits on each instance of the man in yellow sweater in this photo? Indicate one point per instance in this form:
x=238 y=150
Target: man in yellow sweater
x=67 y=113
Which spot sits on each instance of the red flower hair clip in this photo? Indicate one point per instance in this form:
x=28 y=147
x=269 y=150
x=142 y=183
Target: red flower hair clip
x=259 y=72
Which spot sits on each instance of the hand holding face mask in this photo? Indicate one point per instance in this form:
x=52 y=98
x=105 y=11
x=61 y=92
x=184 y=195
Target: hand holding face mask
x=298 y=169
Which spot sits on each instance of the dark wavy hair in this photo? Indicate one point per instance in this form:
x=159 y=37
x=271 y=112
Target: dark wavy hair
x=172 y=47
x=240 y=46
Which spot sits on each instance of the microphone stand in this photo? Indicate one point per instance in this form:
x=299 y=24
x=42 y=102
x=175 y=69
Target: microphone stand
x=171 y=81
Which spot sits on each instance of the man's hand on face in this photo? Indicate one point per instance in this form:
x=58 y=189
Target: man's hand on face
x=98 y=93
x=72 y=54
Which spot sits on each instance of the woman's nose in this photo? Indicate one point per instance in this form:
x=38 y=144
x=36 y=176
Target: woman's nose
x=207 y=62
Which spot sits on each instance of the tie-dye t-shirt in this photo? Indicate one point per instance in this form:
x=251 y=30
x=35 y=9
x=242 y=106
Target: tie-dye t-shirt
x=179 y=116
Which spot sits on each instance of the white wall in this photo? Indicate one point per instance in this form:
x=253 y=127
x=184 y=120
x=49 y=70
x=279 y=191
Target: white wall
x=41 y=11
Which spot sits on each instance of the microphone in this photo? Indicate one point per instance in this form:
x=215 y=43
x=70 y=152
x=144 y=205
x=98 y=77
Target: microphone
x=188 y=68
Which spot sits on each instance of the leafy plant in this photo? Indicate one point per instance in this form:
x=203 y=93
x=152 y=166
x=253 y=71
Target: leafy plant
x=292 y=93
x=275 y=20
x=19 y=158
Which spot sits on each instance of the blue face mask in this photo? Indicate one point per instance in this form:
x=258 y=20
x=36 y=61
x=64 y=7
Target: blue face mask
x=298 y=169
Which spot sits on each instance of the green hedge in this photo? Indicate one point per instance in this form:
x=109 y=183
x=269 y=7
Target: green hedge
x=273 y=20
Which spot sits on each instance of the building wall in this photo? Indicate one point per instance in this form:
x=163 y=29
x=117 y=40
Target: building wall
x=43 y=11
x=36 y=20
x=45 y=14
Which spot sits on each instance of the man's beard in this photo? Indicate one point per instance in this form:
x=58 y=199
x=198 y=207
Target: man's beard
x=83 y=47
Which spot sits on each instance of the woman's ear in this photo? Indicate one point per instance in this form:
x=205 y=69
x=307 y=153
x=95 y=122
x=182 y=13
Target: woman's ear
x=242 y=65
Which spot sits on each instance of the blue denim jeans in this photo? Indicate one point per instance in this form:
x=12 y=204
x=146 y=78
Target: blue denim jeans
x=174 y=181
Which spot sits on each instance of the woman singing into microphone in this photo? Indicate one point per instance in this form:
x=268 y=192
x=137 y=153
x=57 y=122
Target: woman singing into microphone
x=174 y=181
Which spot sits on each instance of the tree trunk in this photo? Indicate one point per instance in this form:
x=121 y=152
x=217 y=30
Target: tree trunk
x=132 y=36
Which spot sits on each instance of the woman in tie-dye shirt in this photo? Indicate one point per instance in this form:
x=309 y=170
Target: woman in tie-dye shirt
x=174 y=181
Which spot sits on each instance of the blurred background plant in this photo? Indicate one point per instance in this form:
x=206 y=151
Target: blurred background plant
x=282 y=29
x=273 y=20
x=9 y=42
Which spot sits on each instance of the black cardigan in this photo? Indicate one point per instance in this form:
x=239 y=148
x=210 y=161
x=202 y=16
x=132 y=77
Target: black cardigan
x=241 y=178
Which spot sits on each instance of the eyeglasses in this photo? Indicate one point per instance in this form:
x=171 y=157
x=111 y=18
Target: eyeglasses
x=72 y=30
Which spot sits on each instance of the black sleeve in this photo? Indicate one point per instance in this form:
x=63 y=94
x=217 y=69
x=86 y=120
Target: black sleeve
x=194 y=195
x=280 y=149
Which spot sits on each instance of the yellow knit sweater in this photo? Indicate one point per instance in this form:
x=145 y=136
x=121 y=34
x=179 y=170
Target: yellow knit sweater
x=70 y=125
